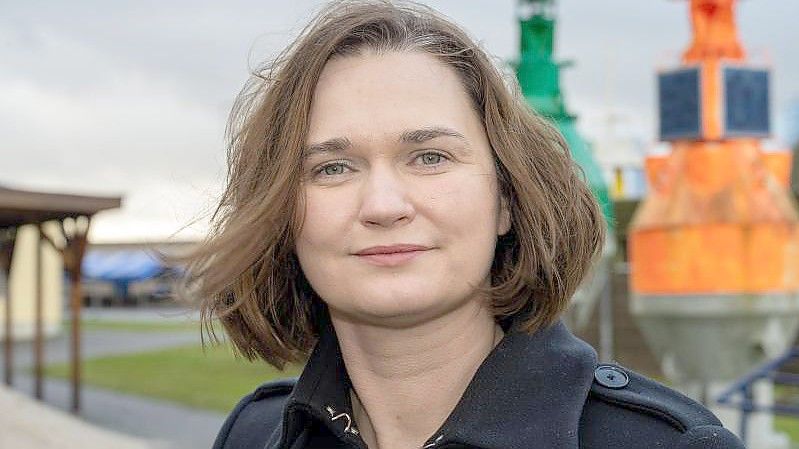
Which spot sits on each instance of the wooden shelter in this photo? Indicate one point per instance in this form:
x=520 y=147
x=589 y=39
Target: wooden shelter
x=73 y=213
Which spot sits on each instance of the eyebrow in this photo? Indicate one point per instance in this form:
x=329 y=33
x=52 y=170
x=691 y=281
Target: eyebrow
x=335 y=145
x=340 y=144
x=424 y=134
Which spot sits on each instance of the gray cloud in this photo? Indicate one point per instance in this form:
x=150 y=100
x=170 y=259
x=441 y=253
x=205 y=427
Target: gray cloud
x=131 y=97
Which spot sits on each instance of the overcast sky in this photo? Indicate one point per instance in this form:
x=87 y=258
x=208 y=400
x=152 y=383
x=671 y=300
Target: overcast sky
x=130 y=98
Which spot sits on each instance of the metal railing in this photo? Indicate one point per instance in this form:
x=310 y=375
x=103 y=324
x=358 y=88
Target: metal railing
x=740 y=394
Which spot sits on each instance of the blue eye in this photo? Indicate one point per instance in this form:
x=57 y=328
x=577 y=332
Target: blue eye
x=327 y=168
x=430 y=158
x=331 y=169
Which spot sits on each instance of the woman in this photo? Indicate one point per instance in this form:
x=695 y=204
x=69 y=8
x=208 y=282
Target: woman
x=395 y=210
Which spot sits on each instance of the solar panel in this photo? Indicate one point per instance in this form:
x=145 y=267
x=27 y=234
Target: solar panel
x=746 y=100
x=679 y=104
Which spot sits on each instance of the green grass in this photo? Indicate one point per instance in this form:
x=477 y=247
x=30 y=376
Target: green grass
x=212 y=380
x=788 y=425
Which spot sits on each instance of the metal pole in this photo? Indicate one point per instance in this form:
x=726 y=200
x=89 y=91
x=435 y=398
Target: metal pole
x=38 y=346
x=606 y=317
x=745 y=410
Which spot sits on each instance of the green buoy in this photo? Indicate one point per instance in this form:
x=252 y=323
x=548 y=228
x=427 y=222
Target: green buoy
x=539 y=77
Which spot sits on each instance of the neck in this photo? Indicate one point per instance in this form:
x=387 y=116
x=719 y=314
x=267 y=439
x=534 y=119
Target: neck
x=407 y=381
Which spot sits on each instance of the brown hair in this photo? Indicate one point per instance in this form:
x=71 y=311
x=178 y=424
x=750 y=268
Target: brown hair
x=246 y=271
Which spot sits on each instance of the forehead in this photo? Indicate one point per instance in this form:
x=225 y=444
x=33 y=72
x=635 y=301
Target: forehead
x=383 y=94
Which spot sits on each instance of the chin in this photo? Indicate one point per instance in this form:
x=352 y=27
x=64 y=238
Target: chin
x=384 y=309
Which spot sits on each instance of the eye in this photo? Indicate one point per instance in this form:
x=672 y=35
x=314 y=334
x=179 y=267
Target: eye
x=331 y=169
x=431 y=158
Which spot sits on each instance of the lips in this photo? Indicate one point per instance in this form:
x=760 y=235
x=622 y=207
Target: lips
x=392 y=256
x=392 y=249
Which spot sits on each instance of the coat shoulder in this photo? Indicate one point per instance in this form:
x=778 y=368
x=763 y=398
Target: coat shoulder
x=625 y=409
x=257 y=416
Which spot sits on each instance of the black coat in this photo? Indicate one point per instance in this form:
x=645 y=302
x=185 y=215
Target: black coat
x=544 y=390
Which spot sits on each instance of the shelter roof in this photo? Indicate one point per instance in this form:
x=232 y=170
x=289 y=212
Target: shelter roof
x=18 y=207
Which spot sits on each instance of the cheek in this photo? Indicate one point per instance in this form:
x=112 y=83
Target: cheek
x=327 y=217
x=318 y=240
x=470 y=204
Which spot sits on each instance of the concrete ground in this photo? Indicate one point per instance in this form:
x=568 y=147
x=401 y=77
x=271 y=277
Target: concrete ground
x=162 y=424
x=28 y=424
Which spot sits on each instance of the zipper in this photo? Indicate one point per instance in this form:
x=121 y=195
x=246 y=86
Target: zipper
x=351 y=432
x=349 y=428
x=434 y=443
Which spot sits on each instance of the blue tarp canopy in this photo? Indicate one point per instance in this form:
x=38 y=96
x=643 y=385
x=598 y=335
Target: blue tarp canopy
x=121 y=266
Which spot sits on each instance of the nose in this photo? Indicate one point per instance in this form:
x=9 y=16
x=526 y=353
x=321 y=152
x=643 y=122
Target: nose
x=385 y=199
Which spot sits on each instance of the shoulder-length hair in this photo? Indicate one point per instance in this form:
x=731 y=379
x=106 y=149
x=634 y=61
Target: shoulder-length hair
x=246 y=272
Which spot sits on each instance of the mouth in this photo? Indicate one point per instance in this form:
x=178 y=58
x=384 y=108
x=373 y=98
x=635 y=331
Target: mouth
x=391 y=259
x=392 y=249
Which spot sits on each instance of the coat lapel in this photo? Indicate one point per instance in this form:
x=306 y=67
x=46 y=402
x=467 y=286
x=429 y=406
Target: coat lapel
x=528 y=393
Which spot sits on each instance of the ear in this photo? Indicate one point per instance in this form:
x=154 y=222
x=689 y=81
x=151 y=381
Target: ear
x=504 y=216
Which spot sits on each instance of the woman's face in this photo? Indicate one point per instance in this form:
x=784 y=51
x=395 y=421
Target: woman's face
x=397 y=156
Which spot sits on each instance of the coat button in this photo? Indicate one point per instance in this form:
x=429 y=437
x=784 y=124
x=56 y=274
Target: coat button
x=611 y=376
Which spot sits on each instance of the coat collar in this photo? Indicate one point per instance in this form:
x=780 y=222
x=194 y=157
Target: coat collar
x=530 y=388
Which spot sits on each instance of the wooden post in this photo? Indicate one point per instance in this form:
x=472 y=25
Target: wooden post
x=74 y=248
x=75 y=359
x=38 y=346
x=73 y=256
x=80 y=248
x=6 y=256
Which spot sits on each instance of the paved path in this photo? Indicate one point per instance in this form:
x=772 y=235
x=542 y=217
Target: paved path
x=162 y=314
x=96 y=343
x=28 y=424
